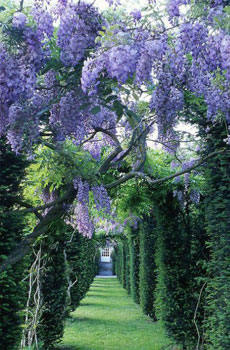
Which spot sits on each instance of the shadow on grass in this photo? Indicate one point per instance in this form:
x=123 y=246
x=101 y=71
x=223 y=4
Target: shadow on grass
x=107 y=322
x=70 y=347
x=104 y=306
x=90 y=304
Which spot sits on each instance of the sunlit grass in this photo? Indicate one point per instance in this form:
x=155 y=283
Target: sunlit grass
x=108 y=319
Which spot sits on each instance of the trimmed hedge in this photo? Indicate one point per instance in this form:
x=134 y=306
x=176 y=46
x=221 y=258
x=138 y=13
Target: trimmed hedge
x=134 y=253
x=12 y=289
x=147 y=274
x=126 y=266
x=122 y=263
x=118 y=260
x=68 y=271
x=135 y=264
x=54 y=293
x=218 y=227
x=81 y=255
x=180 y=248
x=166 y=259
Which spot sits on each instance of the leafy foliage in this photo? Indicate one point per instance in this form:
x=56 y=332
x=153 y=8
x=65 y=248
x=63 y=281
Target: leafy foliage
x=147 y=274
x=12 y=289
x=82 y=264
x=53 y=291
x=217 y=221
x=134 y=252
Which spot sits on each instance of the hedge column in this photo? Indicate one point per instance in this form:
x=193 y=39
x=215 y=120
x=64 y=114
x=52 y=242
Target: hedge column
x=147 y=265
x=218 y=225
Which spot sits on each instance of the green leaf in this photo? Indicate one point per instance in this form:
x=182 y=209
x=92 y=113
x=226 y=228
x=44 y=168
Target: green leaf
x=95 y=110
x=118 y=108
x=84 y=106
x=110 y=98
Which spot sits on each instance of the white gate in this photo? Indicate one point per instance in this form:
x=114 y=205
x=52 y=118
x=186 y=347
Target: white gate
x=105 y=254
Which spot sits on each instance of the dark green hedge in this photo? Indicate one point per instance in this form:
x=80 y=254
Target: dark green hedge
x=69 y=269
x=135 y=264
x=134 y=253
x=122 y=263
x=54 y=292
x=166 y=267
x=147 y=274
x=218 y=227
x=180 y=247
x=126 y=266
x=12 y=289
x=82 y=264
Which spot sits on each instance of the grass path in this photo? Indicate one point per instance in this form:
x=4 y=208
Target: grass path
x=108 y=319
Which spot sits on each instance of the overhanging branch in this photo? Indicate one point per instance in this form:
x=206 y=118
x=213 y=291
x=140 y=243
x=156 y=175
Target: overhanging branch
x=105 y=166
x=31 y=209
x=109 y=133
x=134 y=140
x=133 y=174
x=56 y=212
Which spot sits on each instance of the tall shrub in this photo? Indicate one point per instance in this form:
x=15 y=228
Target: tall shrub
x=218 y=226
x=123 y=264
x=82 y=266
x=118 y=252
x=127 y=266
x=12 y=289
x=180 y=246
x=134 y=253
x=147 y=265
x=53 y=290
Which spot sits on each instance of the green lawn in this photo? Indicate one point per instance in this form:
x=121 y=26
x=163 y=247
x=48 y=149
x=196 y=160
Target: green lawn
x=108 y=319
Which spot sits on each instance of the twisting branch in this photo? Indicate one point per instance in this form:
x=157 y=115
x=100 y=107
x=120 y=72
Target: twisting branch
x=70 y=283
x=105 y=166
x=134 y=140
x=109 y=133
x=141 y=137
x=31 y=209
x=133 y=174
x=123 y=179
x=89 y=138
x=22 y=203
x=28 y=210
x=34 y=303
x=49 y=145
x=21 y=5
x=56 y=212
x=167 y=146
x=195 y=315
x=39 y=216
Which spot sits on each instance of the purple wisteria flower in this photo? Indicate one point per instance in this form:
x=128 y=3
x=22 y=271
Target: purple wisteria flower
x=79 y=26
x=195 y=196
x=101 y=199
x=136 y=15
x=19 y=20
x=173 y=7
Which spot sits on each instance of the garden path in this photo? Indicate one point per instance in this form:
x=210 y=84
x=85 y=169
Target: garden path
x=108 y=319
